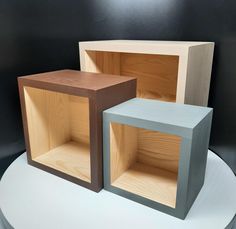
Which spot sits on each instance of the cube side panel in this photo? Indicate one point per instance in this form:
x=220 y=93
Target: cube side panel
x=116 y=94
x=105 y=99
x=182 y=77
x=198 y=160
x=199 y=74
x=81 y=56
x=106 y=150
x=95 y=145
x=24 y=118
x=183 y=177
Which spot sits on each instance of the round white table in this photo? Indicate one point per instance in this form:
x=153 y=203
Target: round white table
x=33 y=199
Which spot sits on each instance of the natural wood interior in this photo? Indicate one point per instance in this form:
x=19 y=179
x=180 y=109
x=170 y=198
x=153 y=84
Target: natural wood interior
x=156 y=74
x=144 y=162
x=58 y=126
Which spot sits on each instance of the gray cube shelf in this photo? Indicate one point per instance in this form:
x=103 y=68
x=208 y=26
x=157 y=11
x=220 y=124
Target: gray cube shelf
x=155 y=153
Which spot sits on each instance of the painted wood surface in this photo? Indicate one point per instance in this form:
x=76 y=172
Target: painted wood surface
x=163 y=164
x=62 y=113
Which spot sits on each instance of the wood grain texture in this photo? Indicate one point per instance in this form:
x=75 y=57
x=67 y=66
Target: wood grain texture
x=156 y=74
x=152 y=183
x=79 y=119
x=159 y=149
x=108 y=62
x=199 y=75
x=47 y=116
x=75 y=82
x=144 y=162
x=55 y=119
x=123 y=148
x=38 y=134
x=90 y=62
x=140 y=46
x=176 y=71
x=71 y=158
x=102 y=62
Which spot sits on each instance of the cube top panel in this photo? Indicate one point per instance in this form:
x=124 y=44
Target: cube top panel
x=181 y=115
x=146 y=42
x=178 y=48
x=76 y=79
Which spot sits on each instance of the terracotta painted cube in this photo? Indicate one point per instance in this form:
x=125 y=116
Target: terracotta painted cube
x=62 y=116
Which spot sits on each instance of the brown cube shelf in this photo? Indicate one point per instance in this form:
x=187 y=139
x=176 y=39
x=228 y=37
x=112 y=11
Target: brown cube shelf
x=62 y=115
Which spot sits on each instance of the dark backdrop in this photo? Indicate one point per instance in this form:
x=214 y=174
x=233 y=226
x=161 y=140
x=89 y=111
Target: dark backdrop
x=38 y=36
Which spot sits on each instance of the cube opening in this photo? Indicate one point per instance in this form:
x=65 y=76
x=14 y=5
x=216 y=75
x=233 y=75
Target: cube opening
x=58 y=126
x=144 y=162
x=156 y=74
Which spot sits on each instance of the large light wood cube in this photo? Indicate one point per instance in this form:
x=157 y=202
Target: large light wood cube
x=172 y=71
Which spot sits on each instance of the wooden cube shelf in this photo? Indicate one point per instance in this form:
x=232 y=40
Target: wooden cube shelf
x=155 y=153
x=165 y=70
x=62 y=116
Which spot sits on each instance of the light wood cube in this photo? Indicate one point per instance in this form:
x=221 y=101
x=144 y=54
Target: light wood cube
x=172 y=71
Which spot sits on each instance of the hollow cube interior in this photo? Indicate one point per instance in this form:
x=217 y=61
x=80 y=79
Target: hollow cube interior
x=58 y=126
x=155 y=153
x=62 y=121
x=165 y=70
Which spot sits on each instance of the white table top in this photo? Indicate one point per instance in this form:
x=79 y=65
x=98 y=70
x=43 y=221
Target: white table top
x=33 y=199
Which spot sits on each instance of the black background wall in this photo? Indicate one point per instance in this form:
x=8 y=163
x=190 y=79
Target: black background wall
x=38 y=36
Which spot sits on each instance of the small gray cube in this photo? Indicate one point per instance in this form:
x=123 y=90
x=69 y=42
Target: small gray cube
x=155 y=153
